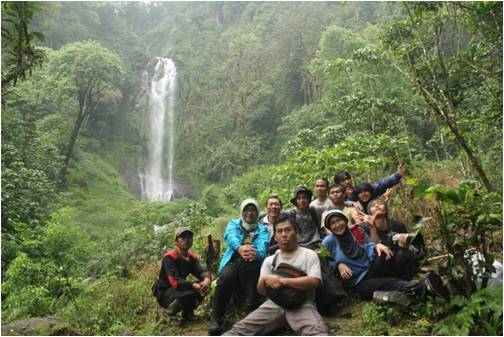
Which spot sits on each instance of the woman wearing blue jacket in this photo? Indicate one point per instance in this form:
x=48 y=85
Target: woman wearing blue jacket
x=247 y=241
x=364 y=268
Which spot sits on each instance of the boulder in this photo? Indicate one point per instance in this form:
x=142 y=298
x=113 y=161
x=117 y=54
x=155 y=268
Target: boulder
x=39 y=326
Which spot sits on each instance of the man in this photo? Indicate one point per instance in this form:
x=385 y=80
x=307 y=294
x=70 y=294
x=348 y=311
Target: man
x=273 y=209
x=305 y=218
x=247 y=241
x=269 y=317
x=379 y=187
x=393 y=234
x=172 y=290
x=322 y=203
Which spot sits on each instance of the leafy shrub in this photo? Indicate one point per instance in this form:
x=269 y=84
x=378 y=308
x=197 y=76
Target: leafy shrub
x=481 y=314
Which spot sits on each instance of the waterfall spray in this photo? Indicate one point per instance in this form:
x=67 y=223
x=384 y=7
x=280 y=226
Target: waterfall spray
x=156 y=183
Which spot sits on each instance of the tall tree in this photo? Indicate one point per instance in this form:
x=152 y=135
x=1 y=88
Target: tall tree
x=450 y=59
x=90 y=73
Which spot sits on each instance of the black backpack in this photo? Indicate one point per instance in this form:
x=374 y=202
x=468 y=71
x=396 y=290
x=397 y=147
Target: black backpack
x=286 y=297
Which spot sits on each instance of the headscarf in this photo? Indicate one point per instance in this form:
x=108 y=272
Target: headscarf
x=349 y=245
x=248 y=226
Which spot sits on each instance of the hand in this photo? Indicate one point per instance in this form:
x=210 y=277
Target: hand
x=204 y=286
x=382 y=249
x=197 y=287
x=273 y=281
x=403 y=240
x=386 y=195
x=247 y=252
x=401 y=169
x=352 y=226
x=362 y=217
x=345 y=271
x=358 y=206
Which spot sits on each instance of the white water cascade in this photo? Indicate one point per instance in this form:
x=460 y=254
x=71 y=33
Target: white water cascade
x=157 y=179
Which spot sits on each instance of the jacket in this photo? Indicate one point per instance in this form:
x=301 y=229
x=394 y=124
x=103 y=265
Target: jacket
x=233 y=236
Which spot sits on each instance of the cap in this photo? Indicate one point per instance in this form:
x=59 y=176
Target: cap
x=182 y=230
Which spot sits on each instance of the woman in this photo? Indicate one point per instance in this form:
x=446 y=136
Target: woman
x=365 y=268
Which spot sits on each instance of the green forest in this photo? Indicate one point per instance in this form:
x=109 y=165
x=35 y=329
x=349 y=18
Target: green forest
x=269 y=96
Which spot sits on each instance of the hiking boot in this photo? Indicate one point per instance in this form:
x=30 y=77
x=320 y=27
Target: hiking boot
x=174 y=308
x=392 y=297
x=435 y=286
x=214 y=328
x=188 y=316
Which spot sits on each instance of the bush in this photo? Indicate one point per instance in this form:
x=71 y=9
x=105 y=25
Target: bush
x=481 y=315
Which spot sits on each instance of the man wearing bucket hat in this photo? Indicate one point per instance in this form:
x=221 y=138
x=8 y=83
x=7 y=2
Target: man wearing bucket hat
x=247 y=241
x=306 y=218
x=172 y=290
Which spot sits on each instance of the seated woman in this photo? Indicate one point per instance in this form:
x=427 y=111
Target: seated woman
x=247 y=241
x=393 y=234
x=365 y=268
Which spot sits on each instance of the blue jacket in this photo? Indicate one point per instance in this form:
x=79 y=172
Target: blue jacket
x=359 y=267
x=233 y=236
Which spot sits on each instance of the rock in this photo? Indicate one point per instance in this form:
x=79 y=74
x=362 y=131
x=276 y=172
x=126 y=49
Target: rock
x=39 y=326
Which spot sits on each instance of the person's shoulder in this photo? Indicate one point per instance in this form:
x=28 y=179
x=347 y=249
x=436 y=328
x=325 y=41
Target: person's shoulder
x=234 y=222
x=328 y=239
x=269 y=260
x=307 y=252
x=171 y=254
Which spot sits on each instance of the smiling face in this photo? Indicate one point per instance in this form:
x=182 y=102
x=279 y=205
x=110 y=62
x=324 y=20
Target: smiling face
x=346 y=182
x=250 y=213
x=184 y=241
x=286 y=236
x=302 y=201
x=378 y=207
x=336 y=195
x=337 y=225
x=273 y=207
x=365 y=196
x=321 y=188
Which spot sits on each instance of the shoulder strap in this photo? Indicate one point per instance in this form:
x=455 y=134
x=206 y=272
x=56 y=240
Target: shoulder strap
x=273 y=264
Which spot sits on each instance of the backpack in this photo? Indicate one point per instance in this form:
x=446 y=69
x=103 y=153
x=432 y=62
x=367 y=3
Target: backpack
x=286 y=297
x=331 y=291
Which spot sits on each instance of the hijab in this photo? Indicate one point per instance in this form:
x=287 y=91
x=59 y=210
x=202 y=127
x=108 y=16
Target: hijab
x=249 y=227
x=348 y=244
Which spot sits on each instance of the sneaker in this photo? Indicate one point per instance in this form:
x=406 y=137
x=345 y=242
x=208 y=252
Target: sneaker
x=214 y=328
x=435 y=286
x=392 y=297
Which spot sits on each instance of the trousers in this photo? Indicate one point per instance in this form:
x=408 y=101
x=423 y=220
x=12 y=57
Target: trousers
x=269 y=317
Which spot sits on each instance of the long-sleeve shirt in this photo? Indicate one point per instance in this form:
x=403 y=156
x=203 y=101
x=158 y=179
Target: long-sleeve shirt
x=380 y=186
x=359 y=267
x=175 y=268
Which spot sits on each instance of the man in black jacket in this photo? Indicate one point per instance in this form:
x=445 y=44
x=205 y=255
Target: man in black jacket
x=172 y=290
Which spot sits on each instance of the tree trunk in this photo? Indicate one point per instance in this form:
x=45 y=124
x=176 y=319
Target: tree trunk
x=71 y=143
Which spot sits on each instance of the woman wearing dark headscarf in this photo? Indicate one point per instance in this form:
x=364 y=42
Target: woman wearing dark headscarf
x=364 y=268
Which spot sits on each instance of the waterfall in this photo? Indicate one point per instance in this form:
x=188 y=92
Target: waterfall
x=157 y=179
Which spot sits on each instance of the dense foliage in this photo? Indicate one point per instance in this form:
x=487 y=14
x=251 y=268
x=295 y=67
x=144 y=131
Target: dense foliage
x=271 y=95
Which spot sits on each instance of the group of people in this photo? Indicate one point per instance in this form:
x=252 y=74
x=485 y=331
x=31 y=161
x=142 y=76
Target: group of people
x=273 y=255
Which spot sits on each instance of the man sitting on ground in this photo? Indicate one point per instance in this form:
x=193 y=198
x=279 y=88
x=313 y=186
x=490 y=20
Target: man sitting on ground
x=270 y=316
x=393 y=234
x=173 y=292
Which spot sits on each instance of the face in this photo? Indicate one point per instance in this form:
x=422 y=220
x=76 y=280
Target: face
x=321 y=188
x=285 y=235
x=336 y=195
x=184 y=241
x=377 y=208
x=345 y=183
x=349 y=192
x=337 y=225
x=365 y=196
x=273 y=207
x=250 y=214
x=302 y=201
